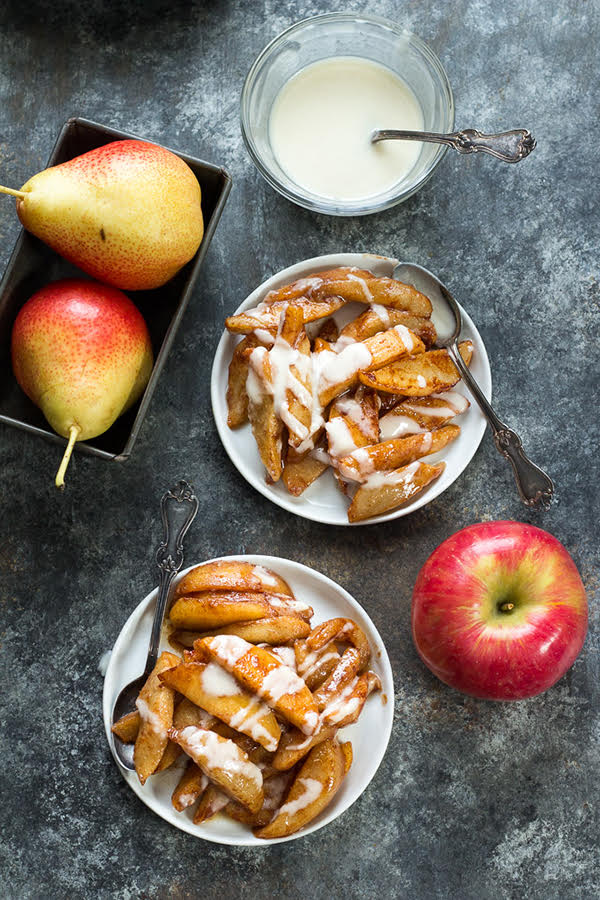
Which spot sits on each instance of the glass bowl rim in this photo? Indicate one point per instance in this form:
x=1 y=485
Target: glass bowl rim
x=307 y=199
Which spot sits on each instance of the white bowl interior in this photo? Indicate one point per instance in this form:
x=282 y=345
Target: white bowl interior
x=323 y=501
x=328 y=600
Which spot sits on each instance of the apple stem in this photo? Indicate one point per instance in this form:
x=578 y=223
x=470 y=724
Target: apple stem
x=506 y=607
x=19 y=194
x=74 y=431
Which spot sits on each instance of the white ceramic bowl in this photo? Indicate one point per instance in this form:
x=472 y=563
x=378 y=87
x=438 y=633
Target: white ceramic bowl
x=369 y=736
x=323 y=501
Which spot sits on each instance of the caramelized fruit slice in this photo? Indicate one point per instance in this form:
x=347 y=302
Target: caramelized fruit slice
x=216 y=691
x=391 y=489
x=314 y=788
x=155 y=705
x=231 y=575
x=264 y=674
x=396 y=452
x=419 y=376
x=224 y=763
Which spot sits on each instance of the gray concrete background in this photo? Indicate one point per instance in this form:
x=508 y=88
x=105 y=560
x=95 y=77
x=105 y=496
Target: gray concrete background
x=473 y=800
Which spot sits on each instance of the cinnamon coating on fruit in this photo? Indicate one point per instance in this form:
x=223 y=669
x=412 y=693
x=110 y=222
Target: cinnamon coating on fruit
x=245 y=713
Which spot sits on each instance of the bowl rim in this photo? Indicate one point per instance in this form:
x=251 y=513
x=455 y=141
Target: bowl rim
x=307 y=199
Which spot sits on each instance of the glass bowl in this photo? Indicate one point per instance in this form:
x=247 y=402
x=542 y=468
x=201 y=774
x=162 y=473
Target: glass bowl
x=344 y=34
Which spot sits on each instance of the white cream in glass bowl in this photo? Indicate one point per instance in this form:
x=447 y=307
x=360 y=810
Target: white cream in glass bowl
x=321 y=124
x=316 y=93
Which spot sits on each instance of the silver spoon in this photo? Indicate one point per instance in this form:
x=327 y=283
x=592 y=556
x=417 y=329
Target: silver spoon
x=178 y=509
x=509 y=146
x=535 y=487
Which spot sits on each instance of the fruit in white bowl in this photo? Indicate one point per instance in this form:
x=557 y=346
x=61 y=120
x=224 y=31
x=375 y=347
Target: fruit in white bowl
x=499 y=611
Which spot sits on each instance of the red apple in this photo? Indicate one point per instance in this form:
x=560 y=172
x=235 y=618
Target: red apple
x=499 y=611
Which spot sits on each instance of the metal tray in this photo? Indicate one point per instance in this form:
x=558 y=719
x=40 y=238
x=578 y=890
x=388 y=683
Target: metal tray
x=33 y=264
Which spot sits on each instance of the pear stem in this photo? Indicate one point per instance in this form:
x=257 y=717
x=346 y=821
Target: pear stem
x=74 y=431
x=19 y=194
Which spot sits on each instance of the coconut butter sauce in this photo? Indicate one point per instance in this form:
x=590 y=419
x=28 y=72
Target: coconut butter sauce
x=321 y=124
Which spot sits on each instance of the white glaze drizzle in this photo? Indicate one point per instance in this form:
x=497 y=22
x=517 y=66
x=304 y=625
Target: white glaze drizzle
x=302 y=745
x=219 y=801
x=344 y=340
x=249 y=720
x=285 y=655
x=311 y=723
x=274 y=788
x=359 y=472
x=396 y=477
x=288 y=603
x=396 y=425
x=308 y=285
x=335 y=368
x=254 y=382
x=399 y=421
x=189 y=797
x=341 y=709
x=148 y=715
x=305 y=377
x=353 y=409
x=406 y=337
x=204 y=719
x=290 y=371
x=434 y=412
x=314 y=660
x=321 y=455
x=311 y=790
x=265 y=577
x=342 y=704
x=363 y=284
x=363 y=461
x=207 y=749
x=219 y=683
x=382 y=313
x=454 y=399
x=264 y=336
x=339 y=436
x=229 y=648
x=278 y=682
x=426 y=441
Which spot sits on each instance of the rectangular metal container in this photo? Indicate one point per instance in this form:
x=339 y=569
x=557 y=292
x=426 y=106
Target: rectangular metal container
x=33 y=265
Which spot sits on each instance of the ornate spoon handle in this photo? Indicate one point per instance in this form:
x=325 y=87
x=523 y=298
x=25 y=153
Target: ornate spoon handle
x=509 y=146
x=178 y=509
x=535 y=487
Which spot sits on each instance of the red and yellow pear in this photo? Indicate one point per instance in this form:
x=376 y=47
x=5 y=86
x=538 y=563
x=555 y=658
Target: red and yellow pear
x=127 y=213
x=81 y=351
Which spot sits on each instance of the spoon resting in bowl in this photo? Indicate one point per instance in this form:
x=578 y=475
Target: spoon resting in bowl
x=178 y=509
x=509 y=146
x=534 y=486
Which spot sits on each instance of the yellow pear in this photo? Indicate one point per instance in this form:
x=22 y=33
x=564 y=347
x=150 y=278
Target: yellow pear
x=127 y=213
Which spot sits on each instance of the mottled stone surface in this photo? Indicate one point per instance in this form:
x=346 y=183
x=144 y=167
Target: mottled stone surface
x=473 y=800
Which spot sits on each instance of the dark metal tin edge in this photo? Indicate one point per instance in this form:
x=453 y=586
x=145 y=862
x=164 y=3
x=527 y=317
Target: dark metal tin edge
x=84 y=447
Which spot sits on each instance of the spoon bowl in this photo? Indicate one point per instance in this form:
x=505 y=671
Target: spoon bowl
x=534 y=485
x=446 y=315
x=125 y=703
